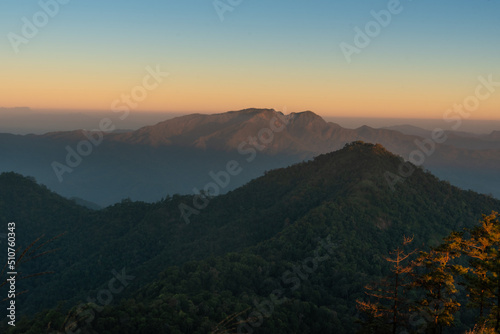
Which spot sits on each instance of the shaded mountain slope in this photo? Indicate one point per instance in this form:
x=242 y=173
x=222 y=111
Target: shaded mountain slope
x=243 y=242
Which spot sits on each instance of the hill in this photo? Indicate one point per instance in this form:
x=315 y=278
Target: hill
x=242 y=246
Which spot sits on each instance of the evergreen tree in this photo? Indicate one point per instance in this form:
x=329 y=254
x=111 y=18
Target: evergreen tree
x=390 y=310
x=483 y=279
x=436 y=277
x=476 y=279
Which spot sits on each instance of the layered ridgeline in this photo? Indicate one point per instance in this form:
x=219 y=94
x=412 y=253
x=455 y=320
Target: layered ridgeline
x=289 y=252
x=177 y=155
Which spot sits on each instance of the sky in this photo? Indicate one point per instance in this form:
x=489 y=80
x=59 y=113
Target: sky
x=417 y=62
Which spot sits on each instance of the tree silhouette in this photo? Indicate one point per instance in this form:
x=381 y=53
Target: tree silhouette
x=390 y=310
x=482 y=280
x=436 y=278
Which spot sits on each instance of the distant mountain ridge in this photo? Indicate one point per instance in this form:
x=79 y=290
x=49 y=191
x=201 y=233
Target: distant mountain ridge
x=459 y=139
x=176 y=156
x=306 y=133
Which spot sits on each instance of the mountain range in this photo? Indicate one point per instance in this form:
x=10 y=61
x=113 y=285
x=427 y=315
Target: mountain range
x=180 y=154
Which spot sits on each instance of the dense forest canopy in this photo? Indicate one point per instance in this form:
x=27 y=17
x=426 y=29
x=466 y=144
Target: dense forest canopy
x=290 y=251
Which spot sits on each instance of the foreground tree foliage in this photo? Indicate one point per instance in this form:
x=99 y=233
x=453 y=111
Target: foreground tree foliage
x=483 y=280
x=389 y=311
x=436 y=279
x=470 y=258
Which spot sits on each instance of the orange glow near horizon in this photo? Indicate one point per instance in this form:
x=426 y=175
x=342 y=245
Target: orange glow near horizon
x=337 y=92
x=362 y=102
x=279 y=55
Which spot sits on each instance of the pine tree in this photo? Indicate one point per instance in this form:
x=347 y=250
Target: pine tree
x=436 y=277
x=390 y=309
x=476 y=279
x=483 y=280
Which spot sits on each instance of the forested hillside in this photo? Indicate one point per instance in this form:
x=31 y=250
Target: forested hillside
x=288 y=252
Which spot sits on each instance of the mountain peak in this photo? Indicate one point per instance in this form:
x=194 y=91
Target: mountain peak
x=306 y=133
x=250 y=111
x=225 y=131
x=305 y=114
x=359 y=155
x=361 y=146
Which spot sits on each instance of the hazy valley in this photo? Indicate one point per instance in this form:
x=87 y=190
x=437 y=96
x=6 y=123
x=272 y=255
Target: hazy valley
x=178 y=156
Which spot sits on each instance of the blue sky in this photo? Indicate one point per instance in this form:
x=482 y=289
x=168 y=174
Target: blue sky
x=264 y=53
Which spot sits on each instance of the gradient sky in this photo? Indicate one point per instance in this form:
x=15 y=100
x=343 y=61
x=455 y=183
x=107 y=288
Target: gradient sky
x=271 y=54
